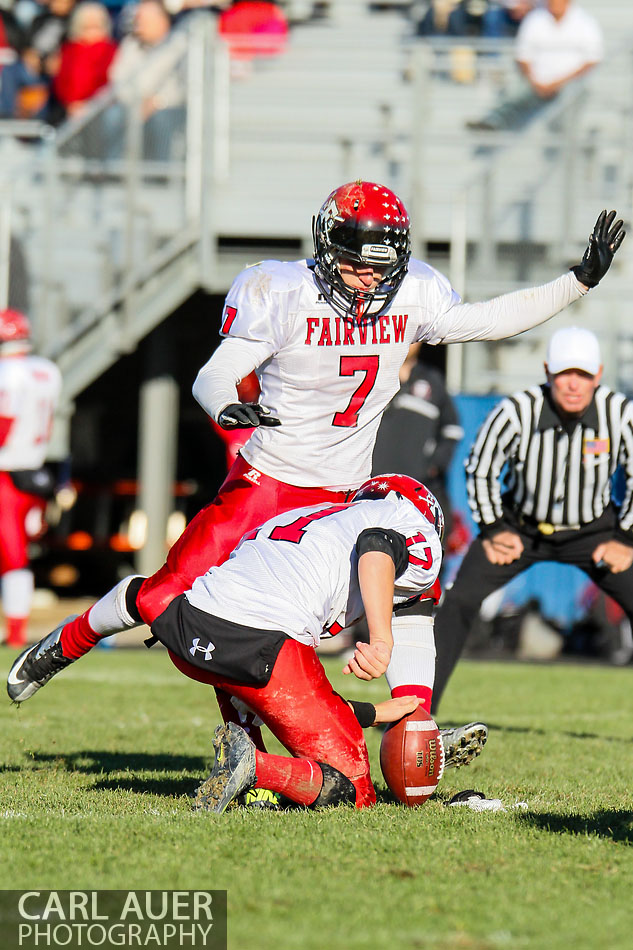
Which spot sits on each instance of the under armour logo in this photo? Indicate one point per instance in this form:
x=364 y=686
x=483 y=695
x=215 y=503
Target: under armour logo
x=208 y=650
x=253 y=476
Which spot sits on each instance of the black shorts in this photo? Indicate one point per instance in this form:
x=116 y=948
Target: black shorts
x=218 y=646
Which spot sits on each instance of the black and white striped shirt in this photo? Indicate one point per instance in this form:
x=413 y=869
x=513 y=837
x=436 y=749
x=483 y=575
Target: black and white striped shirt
x=558 y=473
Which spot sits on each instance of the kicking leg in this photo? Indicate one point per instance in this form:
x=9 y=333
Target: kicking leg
x=74 y=637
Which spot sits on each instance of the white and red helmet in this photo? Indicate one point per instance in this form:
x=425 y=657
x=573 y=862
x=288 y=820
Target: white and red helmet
x=14 y=328
x=425 y=501
x=364 y=222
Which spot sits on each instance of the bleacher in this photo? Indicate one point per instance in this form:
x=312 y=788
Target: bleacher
x=115 y=246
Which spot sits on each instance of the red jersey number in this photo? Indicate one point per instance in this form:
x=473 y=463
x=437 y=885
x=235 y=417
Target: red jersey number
x=230 y=314
x=349 y=366
x=426 y=561
x=296 y=529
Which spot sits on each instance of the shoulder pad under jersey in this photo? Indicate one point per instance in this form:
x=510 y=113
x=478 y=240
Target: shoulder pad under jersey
x=274 y=276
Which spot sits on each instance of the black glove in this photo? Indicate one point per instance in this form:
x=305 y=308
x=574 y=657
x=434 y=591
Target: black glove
x=245 y=415
x=603 y=243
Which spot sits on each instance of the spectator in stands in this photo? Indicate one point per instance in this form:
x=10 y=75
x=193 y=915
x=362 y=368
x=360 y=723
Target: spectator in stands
x=435 y=20
x=252 y=28
x=179 y=8
x=24 y=87
x=11 y=33
x=420 y=429
x=25 y=12
x=503 y=20
x=85 y=58
x=146 y=67
x=48 y=30
x=467 y=18
x=555 y=45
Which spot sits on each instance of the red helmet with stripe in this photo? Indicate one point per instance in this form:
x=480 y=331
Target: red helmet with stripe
x=14 y=326
x=366 y=223
x=425 y=501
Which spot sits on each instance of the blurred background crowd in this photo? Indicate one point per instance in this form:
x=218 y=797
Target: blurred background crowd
x=58 y=54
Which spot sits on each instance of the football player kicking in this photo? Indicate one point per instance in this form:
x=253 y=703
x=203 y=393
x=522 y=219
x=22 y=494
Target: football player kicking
x=326 y=338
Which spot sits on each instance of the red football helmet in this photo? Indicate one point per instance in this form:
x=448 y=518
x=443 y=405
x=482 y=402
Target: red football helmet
x=425 y=501
x=366 y=223
x=14 y=326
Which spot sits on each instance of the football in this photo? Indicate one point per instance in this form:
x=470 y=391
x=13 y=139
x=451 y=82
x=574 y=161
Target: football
x=412 y=757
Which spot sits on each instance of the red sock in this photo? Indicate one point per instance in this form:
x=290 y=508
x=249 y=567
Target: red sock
x=424 y=692
x=78 y=637
x=300 y=780
x=16 y=631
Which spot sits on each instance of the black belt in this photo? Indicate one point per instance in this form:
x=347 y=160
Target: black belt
x=546 y=528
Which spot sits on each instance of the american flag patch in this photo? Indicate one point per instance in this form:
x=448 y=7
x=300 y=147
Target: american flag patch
x=596 y=446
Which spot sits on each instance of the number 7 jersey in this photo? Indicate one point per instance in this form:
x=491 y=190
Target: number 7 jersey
x=326 y=377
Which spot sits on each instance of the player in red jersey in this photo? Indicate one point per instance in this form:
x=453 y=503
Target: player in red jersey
x=326 y=338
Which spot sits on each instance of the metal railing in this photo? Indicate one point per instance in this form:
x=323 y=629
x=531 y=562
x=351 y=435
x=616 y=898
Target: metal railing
x=117 y=235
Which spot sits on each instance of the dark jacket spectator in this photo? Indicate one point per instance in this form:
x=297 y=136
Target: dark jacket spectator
x=11 y=33
x=435 y=20
x=48 y=29
x=467 y=18
x=24 y=88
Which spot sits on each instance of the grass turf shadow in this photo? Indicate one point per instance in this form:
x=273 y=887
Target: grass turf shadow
x=100 y=763
x=606 y=823
x=530 y=730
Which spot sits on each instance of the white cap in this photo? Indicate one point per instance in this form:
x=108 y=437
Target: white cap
x=573 y=348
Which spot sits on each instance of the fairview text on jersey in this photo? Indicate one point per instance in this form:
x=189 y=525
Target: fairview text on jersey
x=336 y=331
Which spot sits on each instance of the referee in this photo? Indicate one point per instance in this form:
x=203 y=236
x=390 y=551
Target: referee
x=562 y=442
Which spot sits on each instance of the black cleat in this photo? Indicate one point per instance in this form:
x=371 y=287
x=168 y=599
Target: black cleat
x=36 y=665
x=463 y=744
x=233 y=771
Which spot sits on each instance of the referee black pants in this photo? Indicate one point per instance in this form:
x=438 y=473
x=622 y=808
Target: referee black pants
x=477 y=578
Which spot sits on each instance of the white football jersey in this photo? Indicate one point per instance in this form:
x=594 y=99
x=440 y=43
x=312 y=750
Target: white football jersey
x=327 y=378
x=299 y=571
x=29 y=392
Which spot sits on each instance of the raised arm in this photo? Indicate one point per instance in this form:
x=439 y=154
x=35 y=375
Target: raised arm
x=513 y=313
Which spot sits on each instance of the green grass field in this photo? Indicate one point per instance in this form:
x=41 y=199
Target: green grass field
x=98 y=767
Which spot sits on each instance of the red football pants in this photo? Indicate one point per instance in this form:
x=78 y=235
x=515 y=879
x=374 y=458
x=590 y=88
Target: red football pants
x=15 y=505
x=300 y=707
x=246 y=499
